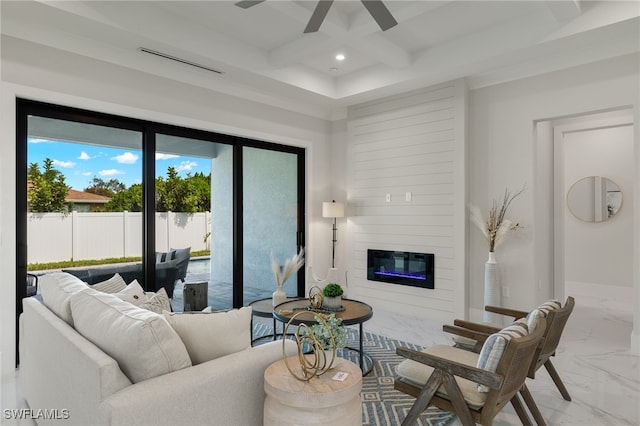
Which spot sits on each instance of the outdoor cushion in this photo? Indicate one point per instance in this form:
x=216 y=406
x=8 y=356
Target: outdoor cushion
x=163 y=256
x=210 y=336
x=141 y=341
x=56 y=289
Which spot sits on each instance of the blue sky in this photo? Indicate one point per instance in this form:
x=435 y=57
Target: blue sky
x=80 y=163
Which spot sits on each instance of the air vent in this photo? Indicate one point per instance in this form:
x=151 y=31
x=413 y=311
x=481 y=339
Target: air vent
x=182 y=61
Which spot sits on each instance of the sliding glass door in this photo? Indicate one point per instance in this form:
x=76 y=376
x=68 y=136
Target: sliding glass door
x=271 y=219
x=96 y=189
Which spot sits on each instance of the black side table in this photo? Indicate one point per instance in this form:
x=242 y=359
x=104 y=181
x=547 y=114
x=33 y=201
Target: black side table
x=264 y=308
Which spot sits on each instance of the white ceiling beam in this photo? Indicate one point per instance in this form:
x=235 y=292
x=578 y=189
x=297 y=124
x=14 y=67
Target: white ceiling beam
x=363 y=37
x=564 y=10
x=378 y=47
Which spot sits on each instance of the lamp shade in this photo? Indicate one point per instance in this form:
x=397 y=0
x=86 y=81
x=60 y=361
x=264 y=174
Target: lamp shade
x=332 y=209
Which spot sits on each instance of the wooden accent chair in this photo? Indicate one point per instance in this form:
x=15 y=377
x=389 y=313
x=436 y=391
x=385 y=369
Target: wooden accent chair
x=449 y=380
x=556 y=320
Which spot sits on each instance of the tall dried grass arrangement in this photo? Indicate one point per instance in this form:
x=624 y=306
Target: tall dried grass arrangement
x=496 y=228
x=290 y=267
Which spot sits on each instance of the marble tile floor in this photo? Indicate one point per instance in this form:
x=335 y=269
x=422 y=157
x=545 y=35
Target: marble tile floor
x=593 y=360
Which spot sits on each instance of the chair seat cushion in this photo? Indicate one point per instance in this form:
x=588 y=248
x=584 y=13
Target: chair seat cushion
x=417 y=374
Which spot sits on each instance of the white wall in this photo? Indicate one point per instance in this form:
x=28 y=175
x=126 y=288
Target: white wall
x=37 y=72
x=503 y=152
x=413 y=142
x=600 y=253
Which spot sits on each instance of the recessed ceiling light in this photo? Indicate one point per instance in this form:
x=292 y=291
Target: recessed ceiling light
x=340 y=57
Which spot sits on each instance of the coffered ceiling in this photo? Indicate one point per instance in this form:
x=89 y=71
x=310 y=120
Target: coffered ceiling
x=263 y=54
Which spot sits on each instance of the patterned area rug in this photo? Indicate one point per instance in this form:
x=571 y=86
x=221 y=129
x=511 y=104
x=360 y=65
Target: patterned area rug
x=381 y=404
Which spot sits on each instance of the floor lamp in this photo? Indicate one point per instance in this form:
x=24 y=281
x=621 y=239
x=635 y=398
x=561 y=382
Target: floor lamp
x=333 y=210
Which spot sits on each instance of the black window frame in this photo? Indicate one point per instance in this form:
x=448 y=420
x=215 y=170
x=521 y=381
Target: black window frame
x=149 y=130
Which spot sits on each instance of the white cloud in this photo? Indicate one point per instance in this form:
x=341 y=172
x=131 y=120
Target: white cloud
x=110 y=172
x=186 y=166
x=126 y=158
x=84 y=156
x=38 y=140
x=64 y=164
x=86 y=174
x=161 y=156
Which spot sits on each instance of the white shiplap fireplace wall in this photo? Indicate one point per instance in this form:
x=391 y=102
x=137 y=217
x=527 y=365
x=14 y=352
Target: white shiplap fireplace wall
x=410 y=143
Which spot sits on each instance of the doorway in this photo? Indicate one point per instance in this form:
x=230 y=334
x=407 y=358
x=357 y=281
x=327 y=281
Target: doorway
x=589 y=258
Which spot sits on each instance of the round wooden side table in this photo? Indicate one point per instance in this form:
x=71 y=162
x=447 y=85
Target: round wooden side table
x=320 y=401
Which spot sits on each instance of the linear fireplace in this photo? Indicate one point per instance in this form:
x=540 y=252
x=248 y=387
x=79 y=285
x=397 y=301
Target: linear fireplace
x=400 y=267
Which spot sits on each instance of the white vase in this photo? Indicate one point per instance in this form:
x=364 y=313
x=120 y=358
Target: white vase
x=330 y=359
x=279 y=296
x=492 y=293
x=332 y=303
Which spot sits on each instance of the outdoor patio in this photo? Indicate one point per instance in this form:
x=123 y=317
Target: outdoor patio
x=220 y=294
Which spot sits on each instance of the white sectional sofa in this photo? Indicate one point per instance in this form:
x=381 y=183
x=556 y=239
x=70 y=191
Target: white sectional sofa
x=65 y=373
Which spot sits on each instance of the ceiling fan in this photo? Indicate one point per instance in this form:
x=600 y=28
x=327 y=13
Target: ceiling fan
x=376 y=8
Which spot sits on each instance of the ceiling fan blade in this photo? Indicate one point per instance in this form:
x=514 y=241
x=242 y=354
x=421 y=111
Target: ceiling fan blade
x=320 y=12
x=246 y=4
x=380 y=13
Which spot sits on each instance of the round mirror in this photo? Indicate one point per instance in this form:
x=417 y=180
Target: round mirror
x=594 y=199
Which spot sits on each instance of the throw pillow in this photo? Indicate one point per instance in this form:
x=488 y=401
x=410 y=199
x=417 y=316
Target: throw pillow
x=56 y=289
x=209 y=336
x=142 y=342
x=495 y=345
x=162 y=256
x=541 y=311
x=112 y=285
x=157 y=302
x=133 y=293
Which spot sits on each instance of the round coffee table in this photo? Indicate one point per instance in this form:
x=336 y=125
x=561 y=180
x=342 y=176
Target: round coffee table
x=355 y=312
x=320 y=401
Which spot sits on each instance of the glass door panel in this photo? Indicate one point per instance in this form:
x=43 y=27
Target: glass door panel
x=84 y=199
x=190 y=243
x=270 y=219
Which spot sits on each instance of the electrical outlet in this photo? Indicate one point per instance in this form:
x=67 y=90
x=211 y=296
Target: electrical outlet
x=387 y=198
x=407 y=196
x=505 y=291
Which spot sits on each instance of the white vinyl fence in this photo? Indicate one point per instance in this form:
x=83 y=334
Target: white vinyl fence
x=53 y=237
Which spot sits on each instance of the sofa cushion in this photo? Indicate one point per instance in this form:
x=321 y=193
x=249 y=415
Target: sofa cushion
x=133 y=293
x=56 y=289
x=157 y=302
x=142 y=342
x=209 y=336
x=112 y=285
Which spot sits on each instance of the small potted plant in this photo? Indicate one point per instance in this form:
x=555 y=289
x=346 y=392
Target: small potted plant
x=332 y=296
x=323 y=335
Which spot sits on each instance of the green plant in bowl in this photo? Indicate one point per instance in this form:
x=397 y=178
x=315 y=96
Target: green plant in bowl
x=332 y=290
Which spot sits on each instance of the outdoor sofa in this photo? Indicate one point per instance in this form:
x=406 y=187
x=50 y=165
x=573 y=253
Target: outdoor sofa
x=170 y=267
